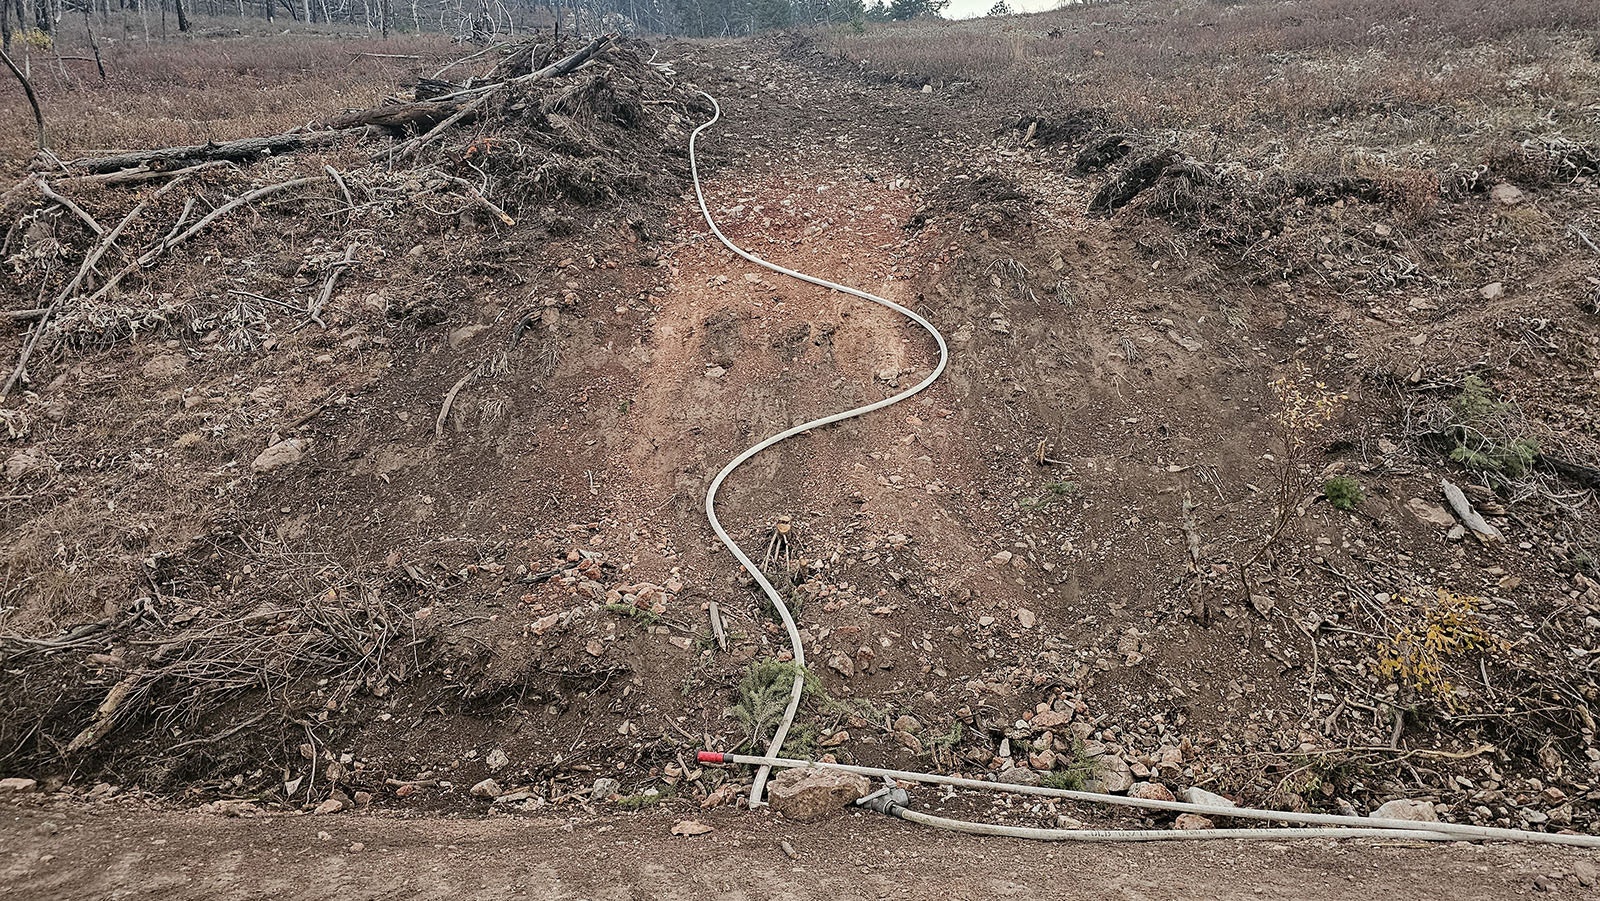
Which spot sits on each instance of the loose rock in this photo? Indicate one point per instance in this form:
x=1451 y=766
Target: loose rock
x=1150 y=791
x=690 y=827
x=1506 y=194
x=1019 y=775
x=1406 y=809
x=604 y=788
x=1585 y=872
x=1430 y=513
x=1204 y=798
x=284 y=453
x=806 y=794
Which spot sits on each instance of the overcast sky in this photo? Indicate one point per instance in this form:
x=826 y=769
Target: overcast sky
x=966 y=9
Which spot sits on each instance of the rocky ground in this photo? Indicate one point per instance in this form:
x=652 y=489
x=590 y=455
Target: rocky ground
x=1178 y=516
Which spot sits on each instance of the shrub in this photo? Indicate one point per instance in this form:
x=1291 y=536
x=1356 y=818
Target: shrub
x=1480 y=432
x=763 y=695
x=1075 y=773
x=1418 y=653
x=1343 y=492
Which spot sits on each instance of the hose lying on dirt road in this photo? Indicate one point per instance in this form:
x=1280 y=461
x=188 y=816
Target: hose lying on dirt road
x=776 y=745
x=1332 y=825
x=1335 y=826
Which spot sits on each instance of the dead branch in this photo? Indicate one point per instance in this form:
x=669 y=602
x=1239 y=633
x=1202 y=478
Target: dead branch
x=1463 y=507
x=244 y=150
x=338 y=266
x=165 y=244
x=483 y=201
x=132 y=175
x=339 y=180
x=144 y=260
x=554 y=70
x=22 y=314
x=398 y=116
x=84 y=269
x=46 y=190
x=449 y=401
x=78 y=636
x=435 y=115
x=33 y=99
x=466 y=59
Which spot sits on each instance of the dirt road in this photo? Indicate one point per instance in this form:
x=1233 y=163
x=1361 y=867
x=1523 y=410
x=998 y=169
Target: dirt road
x=102 y=852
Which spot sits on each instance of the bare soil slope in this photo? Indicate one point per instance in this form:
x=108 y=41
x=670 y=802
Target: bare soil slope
x=370 y=499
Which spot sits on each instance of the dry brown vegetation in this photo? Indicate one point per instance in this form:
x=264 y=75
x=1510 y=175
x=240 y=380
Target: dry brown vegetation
x=200 y=89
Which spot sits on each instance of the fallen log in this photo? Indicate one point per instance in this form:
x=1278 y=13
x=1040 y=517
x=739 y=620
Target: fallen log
x=245 y=150
x=400 y=116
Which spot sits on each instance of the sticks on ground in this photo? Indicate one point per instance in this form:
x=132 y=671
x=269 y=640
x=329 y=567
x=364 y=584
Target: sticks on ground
x=434 y=115
x=338 y=266
x=554 y=70
x=46 y=190
x=244 y=150
x=144 y=260
x=87 y=266
x=165 y=244
x=481 y=200
x=449 y=401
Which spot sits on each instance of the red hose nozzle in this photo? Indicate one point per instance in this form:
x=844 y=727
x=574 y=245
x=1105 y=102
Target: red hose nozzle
x=711 y=757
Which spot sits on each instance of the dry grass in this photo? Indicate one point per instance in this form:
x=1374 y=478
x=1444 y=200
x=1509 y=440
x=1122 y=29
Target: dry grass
x=1401 y=77
x=196 y=89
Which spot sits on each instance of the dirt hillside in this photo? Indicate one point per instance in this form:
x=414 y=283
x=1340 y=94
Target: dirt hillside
x=1265 y=462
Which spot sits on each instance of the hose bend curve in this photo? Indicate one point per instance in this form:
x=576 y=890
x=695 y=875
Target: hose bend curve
x=775 y=746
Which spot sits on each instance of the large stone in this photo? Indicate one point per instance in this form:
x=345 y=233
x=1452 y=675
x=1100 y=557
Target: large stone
x=1204 y=798
x=805 y=794
x=1150 y=791
x=488 y=788
x=1506 y=194
x=1113 y=776
x=466 y=335
x=1189 y=821
x=17 y=786
x=1430 y=513
x=284 y=453
x=1020 y=775
x=24 y=463
x=1585 y=871
x=1406 y=809
x=1051 y=719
